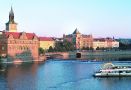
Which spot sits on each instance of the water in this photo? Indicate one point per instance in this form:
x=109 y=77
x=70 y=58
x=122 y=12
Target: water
x=60 y=75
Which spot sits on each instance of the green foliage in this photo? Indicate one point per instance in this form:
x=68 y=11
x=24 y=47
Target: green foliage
x=41 y=51
x=0 y=61
x=50 y=49
x=125 y=46
x=62 y=47
x=97 y=48
x=91 y=48
x=85 y=48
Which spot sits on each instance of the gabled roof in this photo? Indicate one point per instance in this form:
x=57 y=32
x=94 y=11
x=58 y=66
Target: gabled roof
x=30 y=35
x=16 y=35
x=46 y=39
x=76 y=31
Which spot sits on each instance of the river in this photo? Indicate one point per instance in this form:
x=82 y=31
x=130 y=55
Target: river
x=61 y=75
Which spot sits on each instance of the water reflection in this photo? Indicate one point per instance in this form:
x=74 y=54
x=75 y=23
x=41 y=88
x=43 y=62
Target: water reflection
x=19 y=76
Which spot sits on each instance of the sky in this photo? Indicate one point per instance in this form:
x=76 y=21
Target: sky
x=53 y=18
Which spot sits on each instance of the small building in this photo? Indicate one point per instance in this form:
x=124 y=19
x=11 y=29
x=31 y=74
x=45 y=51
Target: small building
x=46 y=42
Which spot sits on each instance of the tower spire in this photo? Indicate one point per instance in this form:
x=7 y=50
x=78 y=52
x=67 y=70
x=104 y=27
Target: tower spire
x=11 y=25
x=76 y=31
x=11 y=16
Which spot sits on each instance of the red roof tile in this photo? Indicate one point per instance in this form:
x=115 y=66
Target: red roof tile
x=30 y=35
x=17 y=35
x=46 y=39
x=100 y=39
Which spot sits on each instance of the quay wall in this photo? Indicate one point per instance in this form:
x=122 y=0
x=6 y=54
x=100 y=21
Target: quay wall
x=92 y=54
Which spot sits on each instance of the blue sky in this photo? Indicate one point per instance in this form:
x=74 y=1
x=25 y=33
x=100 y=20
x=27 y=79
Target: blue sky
x=101 y=18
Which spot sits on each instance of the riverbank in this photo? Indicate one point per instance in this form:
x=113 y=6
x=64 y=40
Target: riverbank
x=105 y=55
x=92 y=55
x=4 y=61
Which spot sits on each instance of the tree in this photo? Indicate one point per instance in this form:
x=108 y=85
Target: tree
x=41 y=51
x=123 y=46
x=91 y=48
x=97 y=48
x=83 y=48
x=87 y=48
x=50 y=49
x=64 y=46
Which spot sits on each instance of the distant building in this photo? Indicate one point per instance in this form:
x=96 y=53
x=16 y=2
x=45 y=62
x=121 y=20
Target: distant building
x=46 y=42
x=105 y=43
x=79 y=40
x=58 y=39
x=99 y=43
x=18 y=45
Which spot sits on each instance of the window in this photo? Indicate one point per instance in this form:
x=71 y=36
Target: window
x=3 y=48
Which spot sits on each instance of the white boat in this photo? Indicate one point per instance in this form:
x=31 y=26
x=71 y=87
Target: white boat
x=110 y=70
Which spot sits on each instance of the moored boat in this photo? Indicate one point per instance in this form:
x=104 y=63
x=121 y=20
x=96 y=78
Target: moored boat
x=111 y=70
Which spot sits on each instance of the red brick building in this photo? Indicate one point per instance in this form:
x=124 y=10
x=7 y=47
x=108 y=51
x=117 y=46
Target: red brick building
x=18 y=45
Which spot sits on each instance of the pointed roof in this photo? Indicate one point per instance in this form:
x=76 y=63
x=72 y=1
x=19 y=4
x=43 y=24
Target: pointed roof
x=76 y=31
x=11 y=12
x=11 y=17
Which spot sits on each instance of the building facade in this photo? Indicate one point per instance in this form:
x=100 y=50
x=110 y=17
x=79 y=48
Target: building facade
x=99 y=43
x=46 y=42
x=79 y=40
x=18 y=45
x=105 y=43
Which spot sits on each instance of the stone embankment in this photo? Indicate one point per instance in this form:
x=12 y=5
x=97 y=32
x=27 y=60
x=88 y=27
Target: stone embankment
x=91 y=54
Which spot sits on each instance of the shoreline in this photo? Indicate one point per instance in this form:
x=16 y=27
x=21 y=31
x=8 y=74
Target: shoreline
x=92 y=55
x=19 y=62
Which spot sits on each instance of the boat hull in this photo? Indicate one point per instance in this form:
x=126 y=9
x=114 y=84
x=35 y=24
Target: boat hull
x=112 y=74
